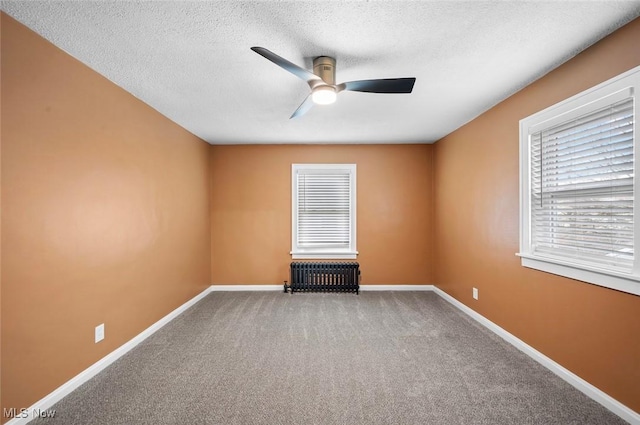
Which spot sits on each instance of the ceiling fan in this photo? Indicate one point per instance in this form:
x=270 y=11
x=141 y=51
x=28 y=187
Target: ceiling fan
x=322 y=81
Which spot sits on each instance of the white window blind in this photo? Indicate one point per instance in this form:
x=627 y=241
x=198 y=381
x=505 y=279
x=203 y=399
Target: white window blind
x=323 y=210
x=582 y=190
x=579 y=191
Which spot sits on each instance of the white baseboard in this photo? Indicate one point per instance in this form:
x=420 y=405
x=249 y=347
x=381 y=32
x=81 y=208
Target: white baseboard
x=69 y=386
x=589 y=390
x=396 y=287
x=218 y=288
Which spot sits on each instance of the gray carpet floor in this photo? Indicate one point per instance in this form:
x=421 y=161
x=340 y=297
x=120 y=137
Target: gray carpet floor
x=373 y=358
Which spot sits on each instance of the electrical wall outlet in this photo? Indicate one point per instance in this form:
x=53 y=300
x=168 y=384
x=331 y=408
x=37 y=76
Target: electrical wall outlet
x=99 y=335
x=475 y=293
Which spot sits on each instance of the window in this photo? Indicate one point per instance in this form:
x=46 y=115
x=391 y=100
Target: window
x=323 y=211
x=579 y=190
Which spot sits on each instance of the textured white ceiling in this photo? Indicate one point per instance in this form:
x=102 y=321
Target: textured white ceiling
x=192 y=60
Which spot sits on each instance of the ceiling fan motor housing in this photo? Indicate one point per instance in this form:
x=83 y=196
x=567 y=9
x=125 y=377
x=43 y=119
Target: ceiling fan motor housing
x=325 y=68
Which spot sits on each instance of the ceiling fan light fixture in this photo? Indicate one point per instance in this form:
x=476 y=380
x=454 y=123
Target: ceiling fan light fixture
x=324 y=95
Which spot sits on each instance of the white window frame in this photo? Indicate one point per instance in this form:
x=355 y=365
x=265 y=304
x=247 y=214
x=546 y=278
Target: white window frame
x=626 y=84
x=298 y=252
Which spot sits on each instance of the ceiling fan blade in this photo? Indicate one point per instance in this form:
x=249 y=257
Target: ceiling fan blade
x=285 y=64
x=385 y=85
x=303 y=108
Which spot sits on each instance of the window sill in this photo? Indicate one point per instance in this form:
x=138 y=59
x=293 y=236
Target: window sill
x=628 y=283
x=324 y=255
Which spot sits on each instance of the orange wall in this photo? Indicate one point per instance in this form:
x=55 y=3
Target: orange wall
x=592 y=331
x=251 y=210
x=105 y=216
